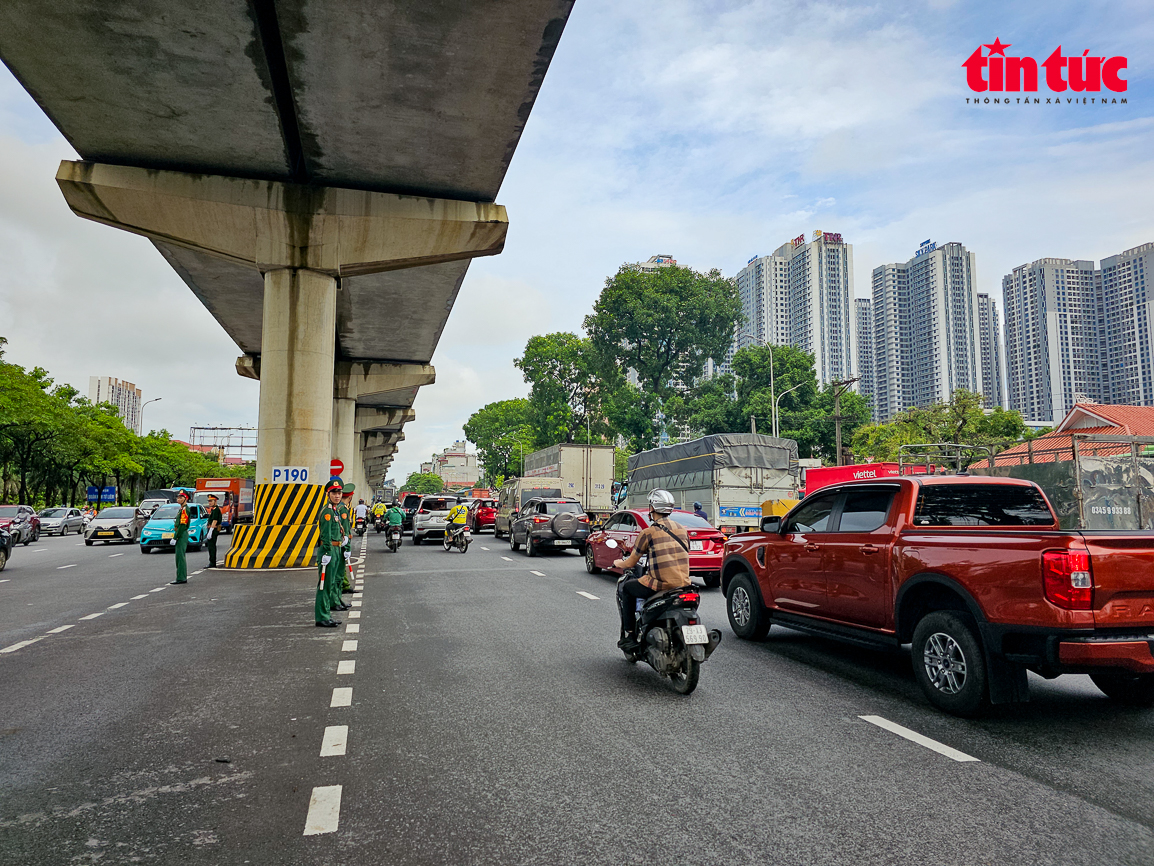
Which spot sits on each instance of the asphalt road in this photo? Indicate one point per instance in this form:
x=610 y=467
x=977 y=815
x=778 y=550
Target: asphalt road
x=491 y=719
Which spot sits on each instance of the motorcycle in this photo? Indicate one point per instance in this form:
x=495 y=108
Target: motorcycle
x=360 y=526
x=458 y=537
x=379 y=522
x=393 y=539
x=671 y=638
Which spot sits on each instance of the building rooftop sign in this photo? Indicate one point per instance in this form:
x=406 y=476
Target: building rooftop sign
x=799 y=240
x=927 y=246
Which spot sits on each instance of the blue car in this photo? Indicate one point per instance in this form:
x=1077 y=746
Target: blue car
x=161 y=527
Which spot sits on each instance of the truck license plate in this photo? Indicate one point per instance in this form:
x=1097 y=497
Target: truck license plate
x=692 y=634
x=695 y=545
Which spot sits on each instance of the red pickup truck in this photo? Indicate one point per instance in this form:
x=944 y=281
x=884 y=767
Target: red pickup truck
x=974 y=573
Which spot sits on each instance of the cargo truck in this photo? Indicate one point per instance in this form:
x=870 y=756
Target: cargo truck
x=585 y=473
x=234 y=498
x=730 y=474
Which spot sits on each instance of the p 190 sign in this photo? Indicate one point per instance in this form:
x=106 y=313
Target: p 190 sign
x=290 y=475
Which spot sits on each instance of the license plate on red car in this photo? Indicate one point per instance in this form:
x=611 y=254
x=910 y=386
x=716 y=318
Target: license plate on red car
x=695 y=545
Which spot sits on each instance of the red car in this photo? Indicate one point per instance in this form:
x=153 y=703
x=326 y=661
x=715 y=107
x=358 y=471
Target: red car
x=706 y=544
x=21 y=521
x=482 y=514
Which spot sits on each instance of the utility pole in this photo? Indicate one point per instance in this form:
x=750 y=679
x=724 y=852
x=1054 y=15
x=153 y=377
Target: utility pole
x=839 y=388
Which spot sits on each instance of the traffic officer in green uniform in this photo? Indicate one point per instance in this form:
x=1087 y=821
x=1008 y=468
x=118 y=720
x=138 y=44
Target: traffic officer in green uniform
x=344 y=515
x=215 y=519
x=328 y=554
x=180 y=537
x=347 y=505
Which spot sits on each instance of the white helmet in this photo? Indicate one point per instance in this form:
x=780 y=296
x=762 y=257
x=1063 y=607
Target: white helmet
x=661 y=502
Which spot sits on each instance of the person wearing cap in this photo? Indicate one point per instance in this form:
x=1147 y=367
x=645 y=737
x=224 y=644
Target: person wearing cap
x=345 y=513
x=328 y=554
x=215 y=519
x=180 y=536
x=699 y=511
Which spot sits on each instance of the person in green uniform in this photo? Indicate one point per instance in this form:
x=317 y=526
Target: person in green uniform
x=328 y=554
x=215 y=519
x=180 y=537
x=344 y=515
x=347 y=505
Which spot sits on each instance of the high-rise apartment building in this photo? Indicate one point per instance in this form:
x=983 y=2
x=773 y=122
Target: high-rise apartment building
x=990 y=347
x=925 y=327
x=863 y=310
x=1076 y=333
x=123 y=395
x=802 y=295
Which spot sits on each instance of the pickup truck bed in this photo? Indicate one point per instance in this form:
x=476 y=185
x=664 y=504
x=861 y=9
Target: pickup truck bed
x=974 y=573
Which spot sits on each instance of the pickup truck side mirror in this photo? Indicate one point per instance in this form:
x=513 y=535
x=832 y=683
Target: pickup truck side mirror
x=771 y=523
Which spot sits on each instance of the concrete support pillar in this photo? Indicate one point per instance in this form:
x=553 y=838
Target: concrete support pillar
x=345 y=437
x=298 y=343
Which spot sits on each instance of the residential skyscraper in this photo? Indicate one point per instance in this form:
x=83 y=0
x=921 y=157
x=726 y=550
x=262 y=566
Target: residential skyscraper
x=123 y=395
x=1053 y=346
x=802 y=295
x=865 y=347
x=990 y=347
x=925 y=325
x=1126 y=323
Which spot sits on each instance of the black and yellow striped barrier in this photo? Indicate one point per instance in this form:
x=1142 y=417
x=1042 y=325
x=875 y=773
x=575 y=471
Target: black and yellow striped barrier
x=284 y=531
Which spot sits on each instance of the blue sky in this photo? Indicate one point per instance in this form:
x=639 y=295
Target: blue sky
x=711 y=131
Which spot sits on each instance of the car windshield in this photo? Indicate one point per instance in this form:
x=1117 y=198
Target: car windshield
x=118 y=513
x=437 y=504
x=486 y=503
x=54 y=512
x=9 y=511
x=563 y=508
x=166 y=512
x=689 y=521
x=413 y=500
x=153 y=503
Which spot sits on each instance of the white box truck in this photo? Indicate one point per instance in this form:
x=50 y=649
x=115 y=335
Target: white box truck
x=730 y=474
x=585 y=473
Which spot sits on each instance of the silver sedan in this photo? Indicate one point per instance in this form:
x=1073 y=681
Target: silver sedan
x=61 y=521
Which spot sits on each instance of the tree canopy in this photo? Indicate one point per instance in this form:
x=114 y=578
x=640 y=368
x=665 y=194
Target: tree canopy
x=423 y=482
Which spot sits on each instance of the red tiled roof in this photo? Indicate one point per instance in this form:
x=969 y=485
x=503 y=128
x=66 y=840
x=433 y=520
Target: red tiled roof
x=1057 y=445
x=1133 y=420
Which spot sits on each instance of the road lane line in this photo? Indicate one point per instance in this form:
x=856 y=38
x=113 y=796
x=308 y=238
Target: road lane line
x=65 y=566
x=193 y=574
x=357 y=602
x=115 y=606
x=114 y=554
x=342 y=698
x=539 y=574
x=335 y=740
x=358 y=595
x=93 y=615
x=352 y=627
x=349 y=646
x=324 y=810
x=348 y=666
x=354 y=614
x=484 y=548
x=507 y=559
x=915 y=737
x=589 y=595
x=21 y=645
x=5 y=580
x=158 y=589
x=139 y=597
x=62 y=628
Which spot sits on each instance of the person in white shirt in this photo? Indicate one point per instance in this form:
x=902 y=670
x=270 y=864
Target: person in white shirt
x=362 y=510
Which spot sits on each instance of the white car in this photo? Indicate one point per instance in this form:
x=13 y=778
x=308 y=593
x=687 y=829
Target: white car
x=61 y=521
x=432 y=517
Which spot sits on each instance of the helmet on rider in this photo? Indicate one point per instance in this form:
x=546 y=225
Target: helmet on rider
x=696 y=506
x=460 y=499
x=661 y=502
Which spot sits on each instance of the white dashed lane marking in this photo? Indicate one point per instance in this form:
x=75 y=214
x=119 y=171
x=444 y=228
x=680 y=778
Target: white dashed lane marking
x=115 y=606
x=114 y=554
x=21 y=645
x=356 y=602
x=484 y=548
x=335 y=740
x=352 y=627
x=589 y=595
x=349 y=646
x=61 y=628
x=342 y=698
x=507 y=559
x=158 y=589
x=324 y=810
x=539 y=574
x=139 y=597
x=354 y=614
x=59 y=567
x=93 y=615
x=5 y=580
x=915 y=737
x=348 y=666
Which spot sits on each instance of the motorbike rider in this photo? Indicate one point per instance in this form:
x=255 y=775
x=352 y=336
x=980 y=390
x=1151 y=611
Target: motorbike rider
x=458 y=514
x=667 y=544
x=699 y=511
x=362 y=511
x=395 y=516
x=379 y=508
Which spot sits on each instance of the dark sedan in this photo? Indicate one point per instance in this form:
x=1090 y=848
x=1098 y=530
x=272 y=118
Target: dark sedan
x=549 y=524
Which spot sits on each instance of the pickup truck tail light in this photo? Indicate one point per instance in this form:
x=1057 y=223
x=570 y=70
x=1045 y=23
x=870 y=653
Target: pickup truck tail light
x=423 y=511
x=1067 y=580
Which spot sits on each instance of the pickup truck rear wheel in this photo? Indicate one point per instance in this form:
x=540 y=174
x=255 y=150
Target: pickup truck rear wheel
x=949 y=664
x=748 y=619
x=1137 y=690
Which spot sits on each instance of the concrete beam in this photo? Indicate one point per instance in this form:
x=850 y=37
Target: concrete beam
x=376 y=439
x=266 y=225
x=370 y=418
x=375 y=384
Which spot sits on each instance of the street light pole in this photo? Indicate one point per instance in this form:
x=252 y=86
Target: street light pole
x=839 y=388
x=141 y=419
x=778 y=401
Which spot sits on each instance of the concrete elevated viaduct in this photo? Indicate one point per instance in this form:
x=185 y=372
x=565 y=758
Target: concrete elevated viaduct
x=318 y=172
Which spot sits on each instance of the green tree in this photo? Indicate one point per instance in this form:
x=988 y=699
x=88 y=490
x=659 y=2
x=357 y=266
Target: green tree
x=424 y=482
x=568 y=389
x=663 y=324
x=502 y=433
